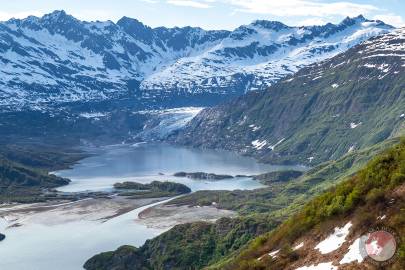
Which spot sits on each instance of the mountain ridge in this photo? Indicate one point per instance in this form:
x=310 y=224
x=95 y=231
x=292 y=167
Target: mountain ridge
x=60 y=59
x=323 y=111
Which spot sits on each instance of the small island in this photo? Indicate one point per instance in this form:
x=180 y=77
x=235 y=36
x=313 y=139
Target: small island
x=154 y=189
x=277 y=176
x=203 y=176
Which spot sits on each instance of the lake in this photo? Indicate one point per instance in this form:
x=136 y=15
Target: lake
x=38 y=245
x=145 y=162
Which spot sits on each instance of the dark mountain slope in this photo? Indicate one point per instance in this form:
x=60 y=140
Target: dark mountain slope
x=20 y=183
x=16 y=175
x=24 y=170
x=351 y=101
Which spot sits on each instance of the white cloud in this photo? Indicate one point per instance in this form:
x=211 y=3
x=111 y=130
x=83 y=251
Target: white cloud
x=191 y=3
x=392 y=19
x=150 y=1
x=4 y=16
x=301 y=7
x=92 y=14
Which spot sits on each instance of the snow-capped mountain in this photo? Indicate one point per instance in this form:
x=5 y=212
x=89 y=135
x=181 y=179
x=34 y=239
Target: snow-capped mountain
x=57 y=58
x=322 y=112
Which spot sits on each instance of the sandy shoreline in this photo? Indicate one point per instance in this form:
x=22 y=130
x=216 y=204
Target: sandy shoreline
x=163 y=216
x=53 y=213
x=100 y=210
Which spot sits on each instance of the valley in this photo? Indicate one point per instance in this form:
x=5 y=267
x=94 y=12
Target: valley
x=266 y=146
x=102 y=218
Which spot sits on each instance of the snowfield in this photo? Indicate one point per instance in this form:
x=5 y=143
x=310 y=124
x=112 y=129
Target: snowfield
x=162 y=123
x=321 y=266
x=58 y=58
x=354 y=254
x=335 y=240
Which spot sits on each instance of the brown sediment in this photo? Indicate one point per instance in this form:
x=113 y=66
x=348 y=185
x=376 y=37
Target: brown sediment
x=97 y=209
x=164 y=216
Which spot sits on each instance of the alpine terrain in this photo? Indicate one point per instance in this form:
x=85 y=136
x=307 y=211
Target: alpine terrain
x=353 y=100
x=59 y=59
x=261 y=147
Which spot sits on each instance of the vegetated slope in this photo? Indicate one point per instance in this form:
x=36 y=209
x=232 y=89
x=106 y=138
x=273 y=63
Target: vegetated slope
x=60 y=59
x=196 y=245
x=281 y=199
x=186 y=246
x=24 y=170
x=374 y=196
x=16 y=175
x=22 y=183
x=155 y=189
x=351 y=101
x=44 y=157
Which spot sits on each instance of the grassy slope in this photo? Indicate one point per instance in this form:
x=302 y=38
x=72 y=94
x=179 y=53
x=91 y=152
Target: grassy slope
x=361 y=197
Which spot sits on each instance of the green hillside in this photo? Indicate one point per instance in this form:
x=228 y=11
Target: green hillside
x=322 y=112
x=360 y=199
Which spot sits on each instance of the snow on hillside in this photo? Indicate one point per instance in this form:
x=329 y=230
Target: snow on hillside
x=321 y=266
x=57 y=58
x=335 y=240
x=162 y=123
x=267 y=54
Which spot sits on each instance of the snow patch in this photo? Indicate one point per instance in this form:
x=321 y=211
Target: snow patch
x=354 y=253
x=255 y=128
x=321 y=266
x=354 y=125
x=90 y=115
x=259 y=144
x=381 y=217
x=272 y=147
x=370 y=66
x=300 y=245
x=335 y=240
x=273 y=254
x=335 y=85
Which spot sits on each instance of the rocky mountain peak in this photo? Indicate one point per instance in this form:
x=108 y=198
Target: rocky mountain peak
x=136 y=29
x=58 y=16
x=68 y=59
x=273 y=25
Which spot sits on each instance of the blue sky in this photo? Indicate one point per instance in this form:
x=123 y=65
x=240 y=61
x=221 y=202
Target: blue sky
x=212 y=14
